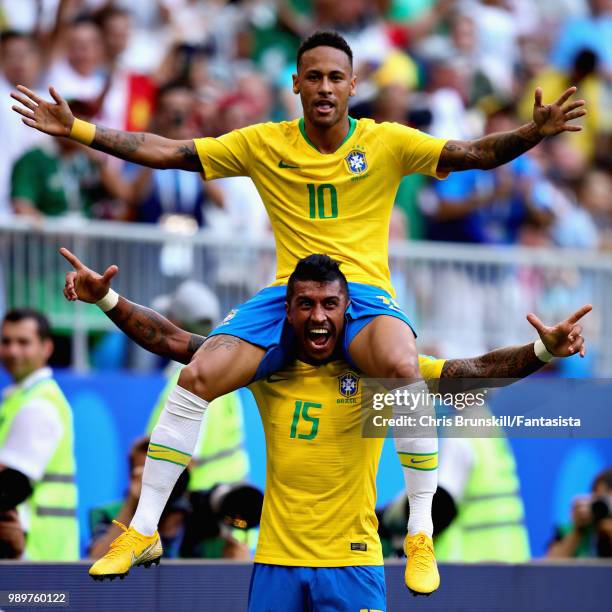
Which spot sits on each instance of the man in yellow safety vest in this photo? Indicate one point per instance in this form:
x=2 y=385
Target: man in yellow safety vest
x=37 y=464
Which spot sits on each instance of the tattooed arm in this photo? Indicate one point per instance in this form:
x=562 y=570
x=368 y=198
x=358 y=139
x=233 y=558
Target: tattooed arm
x=56 y=118
x=153 y=332
x=561 y=340
x=145 y=326
x=148 y=149
x=511 y=362
x=497 y=149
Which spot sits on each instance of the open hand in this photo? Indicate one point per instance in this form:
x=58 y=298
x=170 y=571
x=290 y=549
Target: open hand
x=54 y=118
x=552 y=119
x=563 y=339
x=85 y=284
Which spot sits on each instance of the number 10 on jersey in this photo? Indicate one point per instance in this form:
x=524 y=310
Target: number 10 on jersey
x=323 y=201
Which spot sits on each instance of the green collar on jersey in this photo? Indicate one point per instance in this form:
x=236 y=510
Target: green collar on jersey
x=352 y=126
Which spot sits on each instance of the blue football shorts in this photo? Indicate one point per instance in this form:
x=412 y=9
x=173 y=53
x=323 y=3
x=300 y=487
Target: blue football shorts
x=262 y=322
x=280 y=588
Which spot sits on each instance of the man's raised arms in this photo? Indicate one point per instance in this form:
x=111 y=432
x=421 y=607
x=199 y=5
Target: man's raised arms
x=143 y=325
x=497 y=149
x=56 y=119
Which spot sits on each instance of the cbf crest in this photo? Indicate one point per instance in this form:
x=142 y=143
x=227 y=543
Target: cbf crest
x=356 y=162
x=348 y=384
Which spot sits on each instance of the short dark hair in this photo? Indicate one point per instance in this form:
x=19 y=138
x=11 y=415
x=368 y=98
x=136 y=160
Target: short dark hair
x=319 y=268
x=140 y=445
x=604 y=477
x=324 y=38
x=103 y=15
x=84 y=19
x=10 y=35
x=20 y=314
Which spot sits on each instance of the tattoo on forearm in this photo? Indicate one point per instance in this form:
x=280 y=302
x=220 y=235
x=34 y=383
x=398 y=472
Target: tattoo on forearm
x=490 y=151
x=153 y=332
x=190 y=156
x=229 y=343
x=116 y=142
x=512 y=362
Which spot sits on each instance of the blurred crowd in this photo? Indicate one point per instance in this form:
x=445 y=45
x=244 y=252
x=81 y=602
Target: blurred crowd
x=187 y=68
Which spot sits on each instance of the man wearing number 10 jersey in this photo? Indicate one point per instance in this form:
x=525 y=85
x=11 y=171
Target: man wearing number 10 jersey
x=336 y=203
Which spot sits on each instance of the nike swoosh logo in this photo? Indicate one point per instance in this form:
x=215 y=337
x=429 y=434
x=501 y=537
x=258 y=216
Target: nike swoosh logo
x=275 y=379
x=419 y=460
x=143 y=556
x=282 y=164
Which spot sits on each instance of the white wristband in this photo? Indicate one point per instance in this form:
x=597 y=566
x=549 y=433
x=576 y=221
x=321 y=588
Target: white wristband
x=541 y=351
x=109 y=301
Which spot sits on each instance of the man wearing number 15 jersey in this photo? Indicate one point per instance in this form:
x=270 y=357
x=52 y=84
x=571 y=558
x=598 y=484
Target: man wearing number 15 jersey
x=318 y=545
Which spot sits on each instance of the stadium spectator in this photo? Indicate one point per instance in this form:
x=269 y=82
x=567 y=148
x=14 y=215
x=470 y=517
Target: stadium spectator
x=585 y=74
x=590 y=532
x=592 y=32
x=447 y=97
x=19 y=63
x=241 y=211
x=573 y=226
x=80 y=72
x=63 y=178
x=37 y=466
x=410 y=21
x=158 y=194
x=129 y=97
x=594 y=194
x=497 y=38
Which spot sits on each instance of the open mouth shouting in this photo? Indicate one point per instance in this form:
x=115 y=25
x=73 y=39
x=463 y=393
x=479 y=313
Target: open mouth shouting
x=319 y=338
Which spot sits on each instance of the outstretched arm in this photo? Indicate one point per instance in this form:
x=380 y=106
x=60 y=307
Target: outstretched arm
x=153 y=332
x=561 y=340
x=143 y=325
x=56 y=119
x=511 y=362
x=497 y=149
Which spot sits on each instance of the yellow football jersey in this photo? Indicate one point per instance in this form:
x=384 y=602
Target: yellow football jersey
x=319 y=506
x=338 y=203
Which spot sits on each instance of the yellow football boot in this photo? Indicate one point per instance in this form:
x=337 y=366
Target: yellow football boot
x=130 y=548
x=422 y=576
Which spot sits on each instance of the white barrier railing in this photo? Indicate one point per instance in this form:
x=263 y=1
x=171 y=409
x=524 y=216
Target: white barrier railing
x=464 y=299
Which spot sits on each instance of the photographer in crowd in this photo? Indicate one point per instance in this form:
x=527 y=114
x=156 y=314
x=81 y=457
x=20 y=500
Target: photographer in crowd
x=590 y=532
